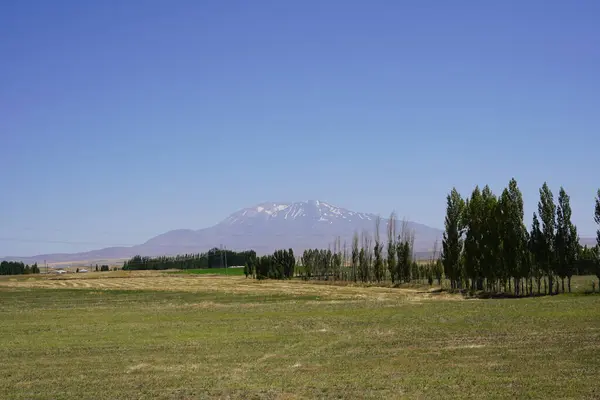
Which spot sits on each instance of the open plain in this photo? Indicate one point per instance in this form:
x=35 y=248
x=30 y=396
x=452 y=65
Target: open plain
x=157 y=335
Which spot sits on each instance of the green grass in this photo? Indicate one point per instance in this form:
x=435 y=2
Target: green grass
x=211 y=271
x=109 y=344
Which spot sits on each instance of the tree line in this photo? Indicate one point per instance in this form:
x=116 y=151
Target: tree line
x=487 y=246
x=214 y=258
x=280 y=265
x=368 y=260
x=18 y=268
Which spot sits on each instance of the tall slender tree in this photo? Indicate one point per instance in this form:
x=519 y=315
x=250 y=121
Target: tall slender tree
x=566 y=240
x=391 y=247
x=337 y=258
x=355 y=256
x=452 y=239
x=369 y=256
x=473 y=222
x=536 y=249
x=514 y=243
x=491 y=238
x=597 y=219
x=378 y=253
x=345 y=262
x=547 y=212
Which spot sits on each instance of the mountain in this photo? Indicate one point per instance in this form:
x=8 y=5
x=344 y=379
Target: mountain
x=264 y=227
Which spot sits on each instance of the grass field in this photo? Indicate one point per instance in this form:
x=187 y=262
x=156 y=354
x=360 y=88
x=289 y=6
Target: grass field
x=154 y=335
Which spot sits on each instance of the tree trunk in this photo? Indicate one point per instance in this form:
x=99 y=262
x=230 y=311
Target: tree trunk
x=563 y=285
x=569 y=283
x=539 y=285
x=545 y=286
x=550 y=285
x=531 y=286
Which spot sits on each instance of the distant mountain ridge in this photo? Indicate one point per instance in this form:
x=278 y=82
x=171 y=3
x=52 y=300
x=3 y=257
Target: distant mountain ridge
x=268 y=226
x=264 y=227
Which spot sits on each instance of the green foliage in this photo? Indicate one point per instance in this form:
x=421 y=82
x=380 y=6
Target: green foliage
x=473 y=220
x=452 y=244
x=404 y=261
x=566 y=240
x=355 y=257
x=317 y=263
x=17 y=268
x=264 y=267
x=491 y=243
x=378 y=268
x=547 y=213
x=337 y=260
x=514 y=235
x=363 y=265
x=536 y=251
x=283 y=264
x=597 y=219
x=308 y=260
x=214 y=258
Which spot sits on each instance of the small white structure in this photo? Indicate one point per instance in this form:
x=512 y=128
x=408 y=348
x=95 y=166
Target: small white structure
x=83 y=270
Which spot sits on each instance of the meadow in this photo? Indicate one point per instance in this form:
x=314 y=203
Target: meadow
x=146 y=334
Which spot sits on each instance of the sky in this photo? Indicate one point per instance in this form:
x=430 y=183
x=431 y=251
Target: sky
x=121 y=120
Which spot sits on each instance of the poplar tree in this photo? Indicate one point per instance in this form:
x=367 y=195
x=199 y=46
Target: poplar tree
x=473 y=223
x=537 y=251
x=491 y=239
x=547 y=212
x=377 y=253
x=452 y=242
x=404 y=253
x=355 y=256
x=597 y=219
x=391 y=247
x=567 y=242
x=514 y=238
x=362 y=265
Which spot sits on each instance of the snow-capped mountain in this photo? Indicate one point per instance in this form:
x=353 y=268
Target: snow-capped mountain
x=312 y=210
x=304 y=224
x=263 y=227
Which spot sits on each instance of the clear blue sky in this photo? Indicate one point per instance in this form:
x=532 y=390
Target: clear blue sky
x=120 y=120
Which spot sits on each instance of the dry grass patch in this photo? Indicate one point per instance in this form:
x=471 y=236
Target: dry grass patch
x=158 y=281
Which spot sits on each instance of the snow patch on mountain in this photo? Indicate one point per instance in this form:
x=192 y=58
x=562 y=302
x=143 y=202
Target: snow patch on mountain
x=311 y=210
